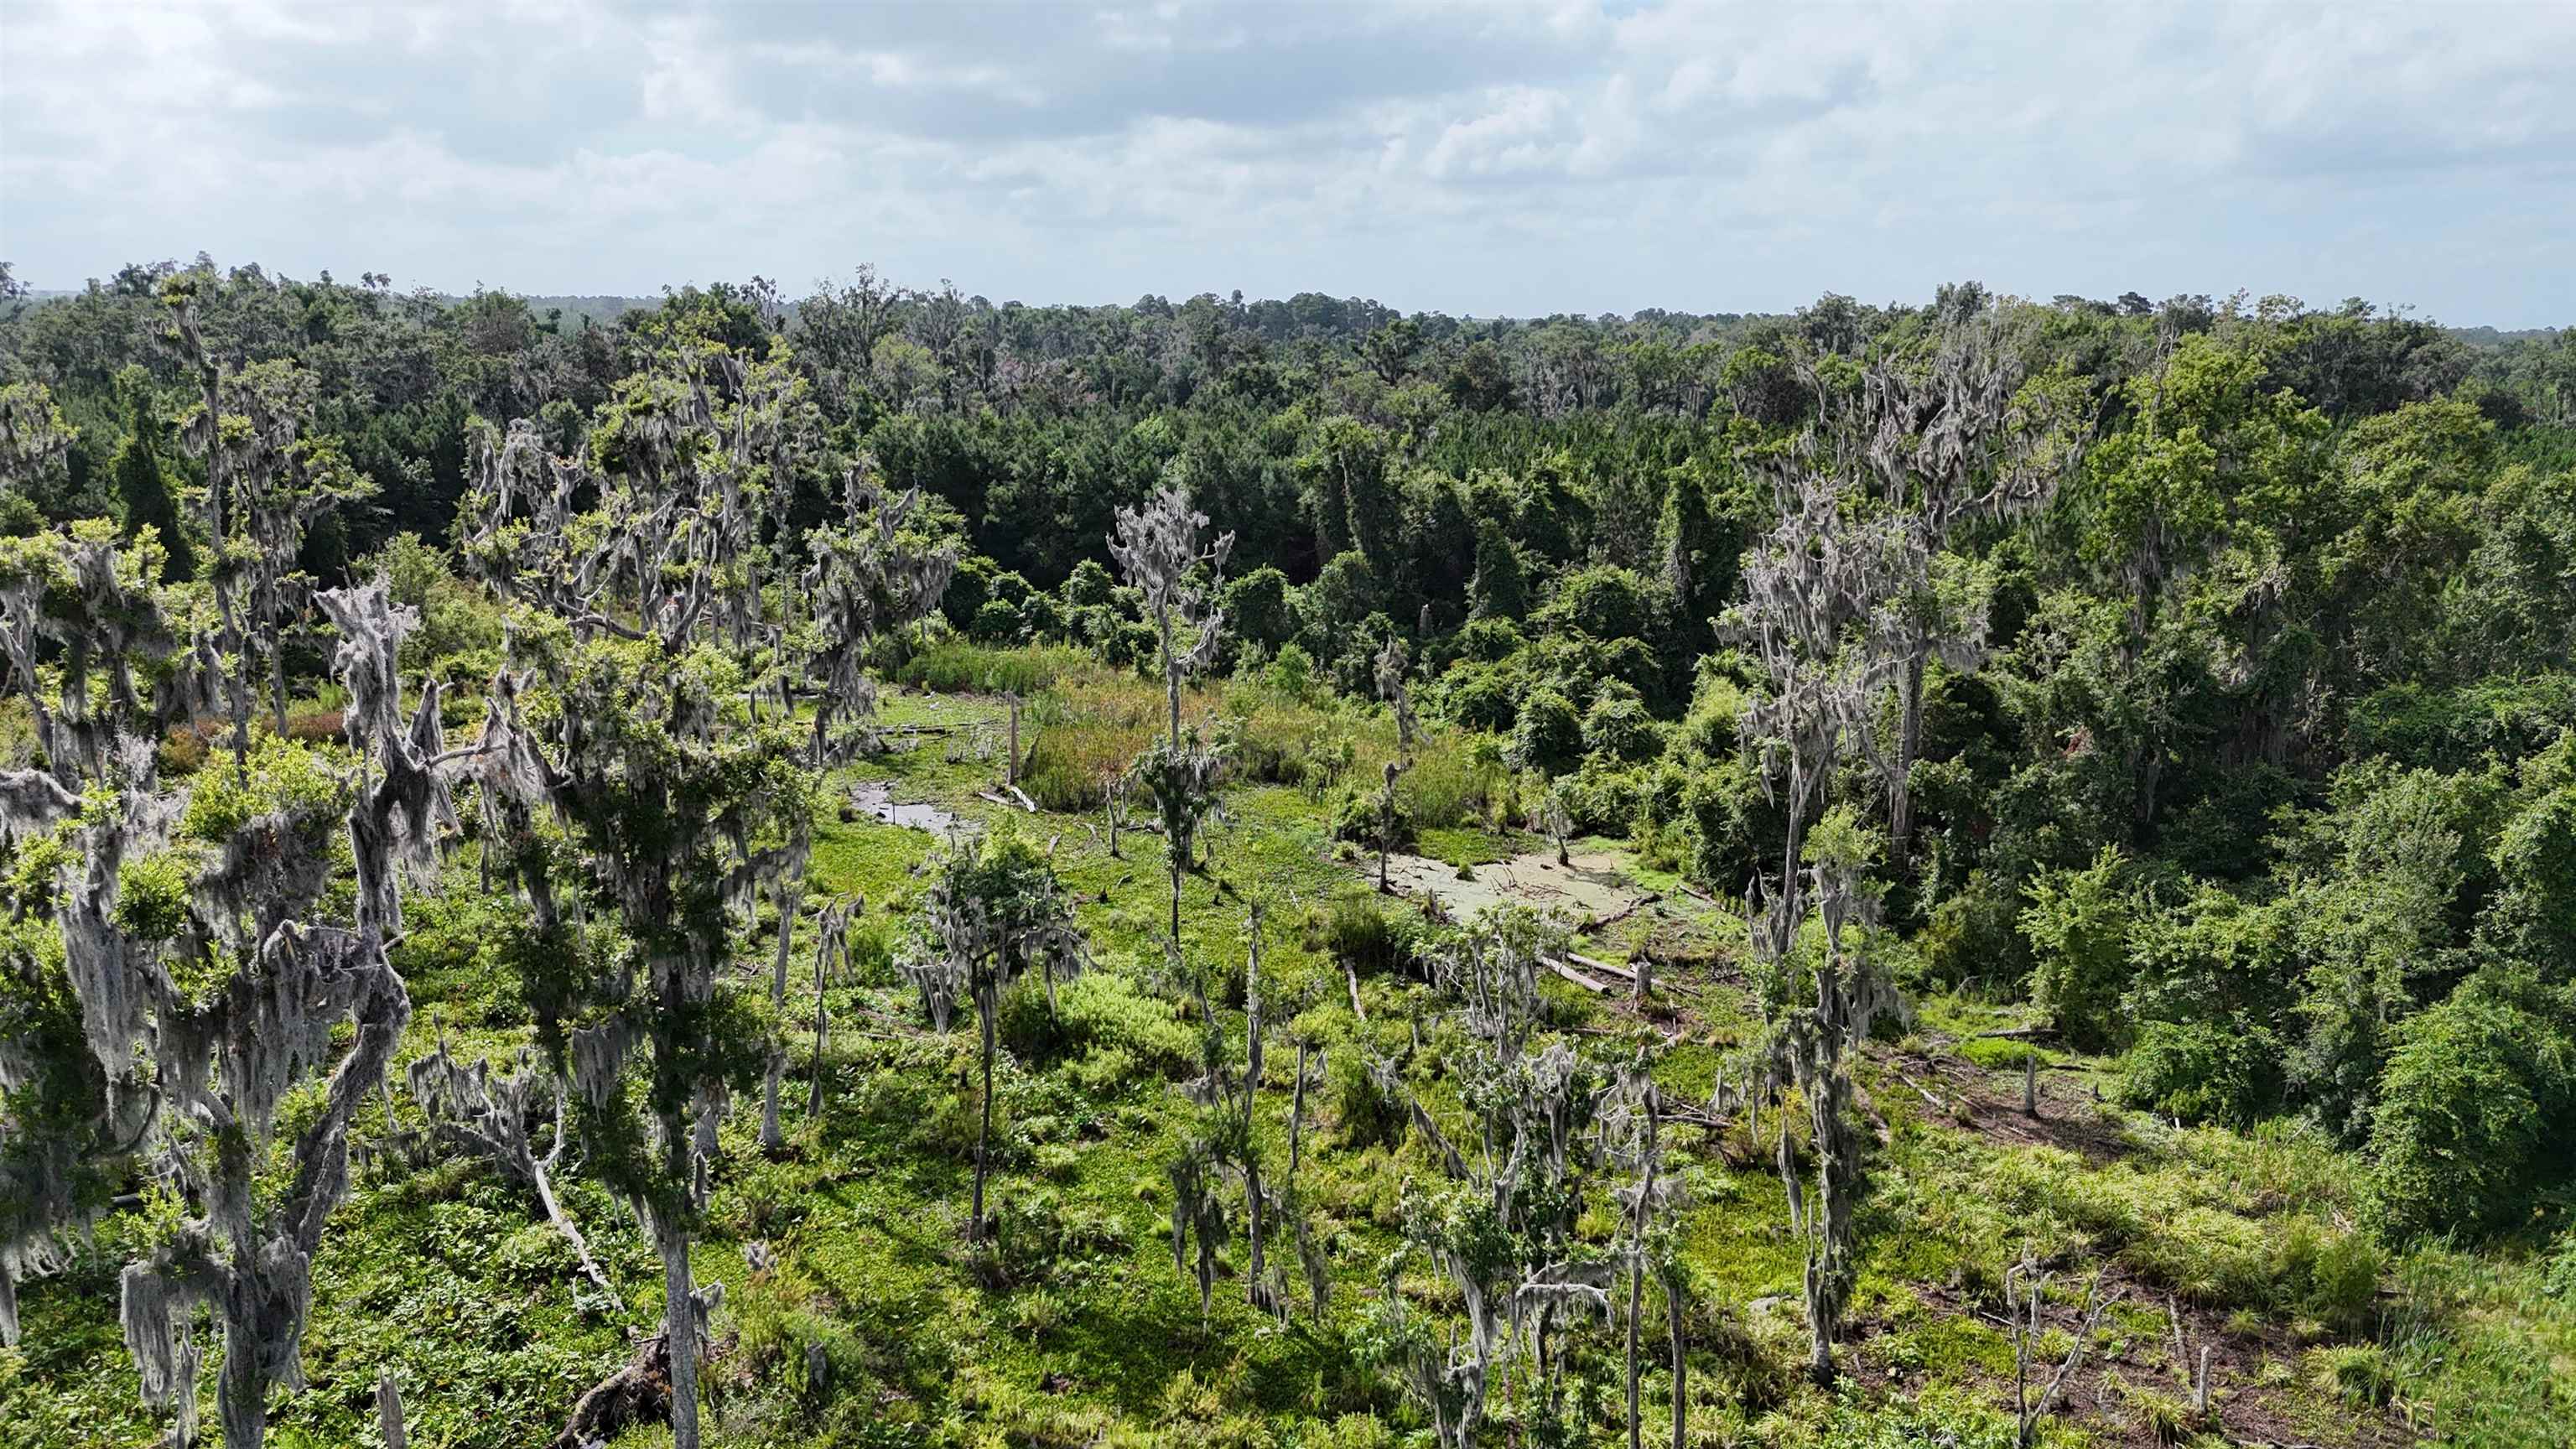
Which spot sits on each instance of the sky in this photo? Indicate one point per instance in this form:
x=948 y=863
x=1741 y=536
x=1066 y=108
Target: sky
x=1498 y=158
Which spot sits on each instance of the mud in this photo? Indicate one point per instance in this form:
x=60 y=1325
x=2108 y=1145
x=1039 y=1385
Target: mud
x=1594 y=886
x=875 y=800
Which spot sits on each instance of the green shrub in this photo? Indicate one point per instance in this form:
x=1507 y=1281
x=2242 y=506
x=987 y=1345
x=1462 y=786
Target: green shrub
x=997 y=621
x=1361 y=932
x=2473 y=1114
x=1291 y=672
x=1602 y=798
x=1618 y=728
x=2358 y=1375
x=2078 y=924
x=1481 y=696
x=1548 y=735
x=955 y=666
x=1974 y=937
x=2331 y=1276
x=1364 y=1113
x=1106 y=1012
x=2203 y=1071
x=1357 y=818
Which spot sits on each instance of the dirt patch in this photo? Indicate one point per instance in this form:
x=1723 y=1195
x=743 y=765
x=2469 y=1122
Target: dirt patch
x=874 y=800
x=1594 y=885
x=2246 y=1409
x=2072 y=1116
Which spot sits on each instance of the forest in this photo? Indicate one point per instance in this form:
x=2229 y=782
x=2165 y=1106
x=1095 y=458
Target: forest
x=875 y=868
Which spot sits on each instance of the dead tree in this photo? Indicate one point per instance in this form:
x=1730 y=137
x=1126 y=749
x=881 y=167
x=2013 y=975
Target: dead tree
x=240 y=994
x=2024 y=1296
x=1502 y=1228
x=267 y=483
x=1158 y=548
x=1814 y=585
x=831 y=948
x=487 y=1114
x=1954 y=434
x=1633 y=1130
x=868 y=577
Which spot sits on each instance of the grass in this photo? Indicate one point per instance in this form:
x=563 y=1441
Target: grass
x=1077 y=1330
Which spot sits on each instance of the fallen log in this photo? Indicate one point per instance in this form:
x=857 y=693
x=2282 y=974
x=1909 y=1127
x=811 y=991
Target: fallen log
x=1924 y=1092
x=1591 y=964
x=1026 y=803
x=1615 y=917
x=1577 y=977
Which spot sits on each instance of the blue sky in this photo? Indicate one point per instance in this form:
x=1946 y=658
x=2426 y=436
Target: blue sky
x=1489 y=158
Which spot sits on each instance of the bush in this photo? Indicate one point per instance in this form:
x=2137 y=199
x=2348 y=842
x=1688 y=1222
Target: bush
x=1973 y=936
x=1356 y=818
x=183 y=752
x=1364 y=1112
x=1548 y=736
x=1481 y=696
x=1095 y=1014
x=1617 y=728
x=954 y=666
x=997 y=621
x=2078 y=924
x=2473 y=1114
x=2228 y=1070
x=1603 y=799
x=2331 y=1276
x=1359 y=931
x=1487 y=640
x=2356 y=1374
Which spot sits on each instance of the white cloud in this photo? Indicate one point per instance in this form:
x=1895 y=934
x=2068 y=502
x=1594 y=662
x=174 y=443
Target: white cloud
x=1527 y=158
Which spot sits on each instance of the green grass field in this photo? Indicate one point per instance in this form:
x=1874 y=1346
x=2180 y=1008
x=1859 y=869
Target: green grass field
x=875 y=1325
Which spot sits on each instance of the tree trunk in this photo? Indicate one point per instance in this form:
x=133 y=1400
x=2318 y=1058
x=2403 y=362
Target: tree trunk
x=1673 y=1323
x=389 y=1413
x=1636 y=1306
x=814 y=1096
x=983 y=1136
x=541 y=1173
x=680 y=1330
x=771 y=1138
x=277 y=683
x=1909 y=745
x=241 y=1396
x=1297 y=1118
x=1255 y=1291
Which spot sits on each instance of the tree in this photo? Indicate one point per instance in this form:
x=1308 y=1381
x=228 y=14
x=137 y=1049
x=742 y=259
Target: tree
x=1391 y=667
x=1814 y=585
x=1502 y=1228
x=1158 y=548
x=993 y=913
x=209 y=991
x=612 y=721
x=143 y=490
x=1648 y=1205
x=268 y=480
x=1956 y=436
x=1825 y=1014
x=873 y=574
